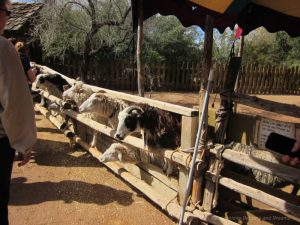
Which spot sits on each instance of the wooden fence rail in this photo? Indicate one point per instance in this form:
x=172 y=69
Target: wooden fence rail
x=185 y=76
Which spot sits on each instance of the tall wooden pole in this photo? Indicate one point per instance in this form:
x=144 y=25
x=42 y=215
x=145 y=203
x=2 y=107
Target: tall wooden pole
x=198 y=182
x=240 y=54
x=139 y=61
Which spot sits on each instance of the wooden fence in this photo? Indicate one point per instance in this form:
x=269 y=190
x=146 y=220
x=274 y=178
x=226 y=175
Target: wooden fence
x=168 y=192
x=186 y=76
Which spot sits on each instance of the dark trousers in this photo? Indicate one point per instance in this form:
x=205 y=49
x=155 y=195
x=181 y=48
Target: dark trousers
x=6 y=161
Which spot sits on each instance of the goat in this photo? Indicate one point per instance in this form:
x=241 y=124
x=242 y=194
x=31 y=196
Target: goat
x=104 y=106
x=78 y=93
x=122 y=153
x=160 y=127
x=52 y=83
x=55 y=84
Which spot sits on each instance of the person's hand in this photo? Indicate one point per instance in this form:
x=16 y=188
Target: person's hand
x=26 y=158
x=292 y=161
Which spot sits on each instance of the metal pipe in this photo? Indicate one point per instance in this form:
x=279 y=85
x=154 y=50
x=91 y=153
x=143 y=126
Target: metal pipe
x=203 y=115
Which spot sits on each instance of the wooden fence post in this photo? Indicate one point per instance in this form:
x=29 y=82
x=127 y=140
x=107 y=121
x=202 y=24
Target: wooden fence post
x=189 y=127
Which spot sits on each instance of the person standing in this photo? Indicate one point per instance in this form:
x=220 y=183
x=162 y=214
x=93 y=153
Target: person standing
x=23 y=51
x=17 y=119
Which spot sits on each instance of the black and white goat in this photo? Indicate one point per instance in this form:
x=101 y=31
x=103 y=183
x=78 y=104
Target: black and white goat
x=55 y=84
x=161 y=128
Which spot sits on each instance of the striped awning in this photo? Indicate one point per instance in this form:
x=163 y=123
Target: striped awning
x=274 y=15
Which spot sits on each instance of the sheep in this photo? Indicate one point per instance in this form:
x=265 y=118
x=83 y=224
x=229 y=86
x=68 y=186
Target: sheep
x=122 y=153
x=78 y=93
x=104 y=106
x=161 y=128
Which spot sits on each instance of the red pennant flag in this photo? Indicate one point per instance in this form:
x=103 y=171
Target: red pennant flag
x=238 y=32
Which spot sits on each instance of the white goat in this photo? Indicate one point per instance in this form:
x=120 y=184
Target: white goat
x=104 y=106
x=79 y=93
x=122 y=153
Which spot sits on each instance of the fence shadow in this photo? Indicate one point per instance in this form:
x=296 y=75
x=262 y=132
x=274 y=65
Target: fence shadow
x=68 y=191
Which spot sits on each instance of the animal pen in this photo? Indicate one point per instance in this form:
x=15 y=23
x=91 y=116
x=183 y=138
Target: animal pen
x=214 y=177
x=168 y=192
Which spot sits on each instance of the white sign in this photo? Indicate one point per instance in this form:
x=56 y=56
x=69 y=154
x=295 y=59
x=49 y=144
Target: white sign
x=268 y=126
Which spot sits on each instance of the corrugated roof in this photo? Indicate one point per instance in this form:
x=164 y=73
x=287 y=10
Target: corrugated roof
x=20 y=14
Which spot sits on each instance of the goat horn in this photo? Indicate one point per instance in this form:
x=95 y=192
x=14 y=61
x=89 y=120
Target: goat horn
x=131 y=108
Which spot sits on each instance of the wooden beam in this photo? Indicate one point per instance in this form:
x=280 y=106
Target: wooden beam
x=139 y=49
x=267 y=105
x=189 y=127
x=132 y=98
x=259 y=195
x=286 y=172
x=58 y=124
x=199 y=181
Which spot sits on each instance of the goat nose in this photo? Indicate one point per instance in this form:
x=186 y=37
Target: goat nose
x=118 y=136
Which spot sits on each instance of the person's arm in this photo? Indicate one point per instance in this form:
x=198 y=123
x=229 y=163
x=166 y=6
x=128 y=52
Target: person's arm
x=16 y=111
x=31 y=75
x=29 y=71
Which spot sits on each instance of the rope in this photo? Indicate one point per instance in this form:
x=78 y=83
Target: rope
x=219 y=169
x=168 y=203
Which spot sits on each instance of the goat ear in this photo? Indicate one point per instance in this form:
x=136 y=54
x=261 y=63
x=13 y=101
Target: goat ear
x=78 y=78
x=65 y=87
x=120 y=156
x=136 y=113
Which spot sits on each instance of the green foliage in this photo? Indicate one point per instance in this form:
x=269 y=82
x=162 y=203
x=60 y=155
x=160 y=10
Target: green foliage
x=166 y=40
x=222 y=45
x=63 y=27
x=271 y=48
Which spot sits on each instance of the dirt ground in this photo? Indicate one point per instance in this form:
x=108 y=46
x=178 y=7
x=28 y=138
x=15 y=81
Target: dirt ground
x=62 y=186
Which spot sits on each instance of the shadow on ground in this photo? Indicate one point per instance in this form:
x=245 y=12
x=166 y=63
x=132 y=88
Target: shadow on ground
x=59 y=154
x=67 y=191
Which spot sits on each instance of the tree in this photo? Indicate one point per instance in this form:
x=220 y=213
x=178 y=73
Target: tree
x=271 y=48
x=84 y=28
x=166 y=40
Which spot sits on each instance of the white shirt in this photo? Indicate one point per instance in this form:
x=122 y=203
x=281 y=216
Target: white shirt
x=17 y=120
